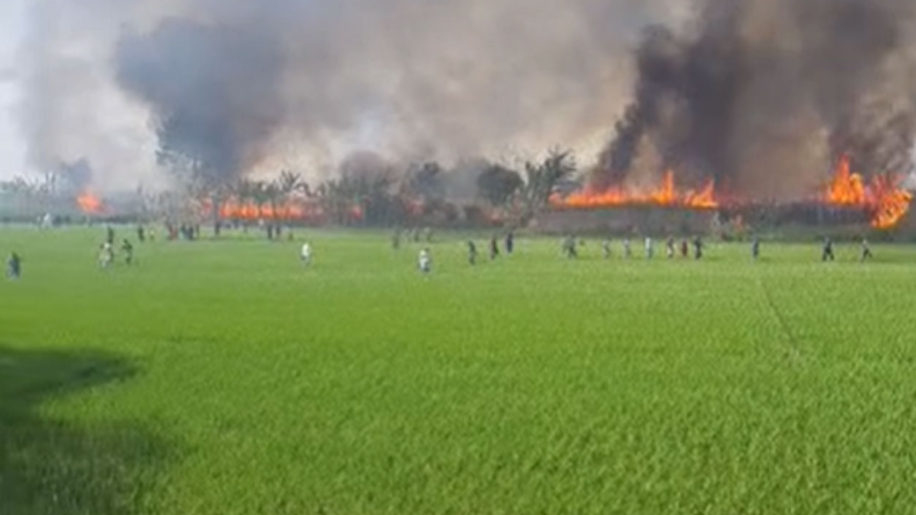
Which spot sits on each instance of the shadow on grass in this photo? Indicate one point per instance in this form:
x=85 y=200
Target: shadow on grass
x=48 y=466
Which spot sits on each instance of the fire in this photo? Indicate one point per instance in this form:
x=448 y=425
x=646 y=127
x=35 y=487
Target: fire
x=252 y=211
x=882 y=197
x=89 y=203
x=666 y=195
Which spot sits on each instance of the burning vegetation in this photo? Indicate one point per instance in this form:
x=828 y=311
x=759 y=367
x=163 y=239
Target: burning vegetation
x=89 y=204
x=882 y=198
x=666 y=195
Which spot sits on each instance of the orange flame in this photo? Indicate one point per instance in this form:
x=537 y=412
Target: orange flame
x=89 y=203
x=251 y=211
x=882 y=197
x=666 y=195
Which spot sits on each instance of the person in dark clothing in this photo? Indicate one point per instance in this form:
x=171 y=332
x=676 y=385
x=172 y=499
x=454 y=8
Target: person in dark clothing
x=755 y=248
x=866 y=251
x=141 y=234
x=685 y=249
x=128 y=251
x=698 y=248
x=109 y=235
x=14 y=266
x=472 y=253
x=669 y=248
x=510 y=243
x=494 y=248
x=827 y=254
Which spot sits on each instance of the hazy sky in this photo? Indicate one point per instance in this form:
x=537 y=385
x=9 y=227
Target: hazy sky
x=12 y=147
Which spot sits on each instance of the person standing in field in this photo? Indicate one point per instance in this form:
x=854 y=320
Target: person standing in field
x=494 y=248
x=685 y=249
x=669 y=248
x=650 y=250
x=510 y=243
x=425 y=262
x=698 y=248
x=14 y=266
x=866 y=251
x=569 y=247
x=128 y=251
x=472 y=253
x=606 y=248
x=627 y=249
x=141 y=234
x=306 y=254
x=755 y=248
x=106 y=255
x=827 y=253
x=109 y=235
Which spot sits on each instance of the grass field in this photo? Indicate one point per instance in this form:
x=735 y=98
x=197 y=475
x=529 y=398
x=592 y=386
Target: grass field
x=223 y=378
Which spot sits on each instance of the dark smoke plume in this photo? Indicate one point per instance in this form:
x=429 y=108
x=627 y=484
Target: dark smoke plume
x=765 y=95
x=214 y=93
x=232 y=87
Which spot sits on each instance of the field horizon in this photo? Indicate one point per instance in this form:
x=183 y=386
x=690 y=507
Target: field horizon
x=224 y=376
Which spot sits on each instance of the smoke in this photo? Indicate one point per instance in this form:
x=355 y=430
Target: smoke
x=214 y=92
x=226 y=88
x=765 y=95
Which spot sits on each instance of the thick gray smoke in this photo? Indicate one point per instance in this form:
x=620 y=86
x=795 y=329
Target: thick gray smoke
x=215 y=93
x=230 y=87
x=765 y=95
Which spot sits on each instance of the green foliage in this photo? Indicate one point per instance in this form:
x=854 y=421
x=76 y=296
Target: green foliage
x=223 y=377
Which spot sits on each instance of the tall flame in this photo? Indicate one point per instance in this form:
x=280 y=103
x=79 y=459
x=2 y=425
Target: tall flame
x=883 y=197
x=89 y=203
x=666 y=195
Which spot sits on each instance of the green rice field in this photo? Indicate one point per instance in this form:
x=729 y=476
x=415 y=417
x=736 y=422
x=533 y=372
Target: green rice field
x=224 y=377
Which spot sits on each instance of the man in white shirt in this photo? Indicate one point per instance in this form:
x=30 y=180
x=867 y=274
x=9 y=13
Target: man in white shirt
x=306 y=254
x=424 y=261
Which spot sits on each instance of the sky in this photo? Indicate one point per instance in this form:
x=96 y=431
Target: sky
x=12 y=146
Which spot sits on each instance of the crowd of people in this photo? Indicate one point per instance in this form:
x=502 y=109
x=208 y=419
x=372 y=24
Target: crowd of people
x=497 y=245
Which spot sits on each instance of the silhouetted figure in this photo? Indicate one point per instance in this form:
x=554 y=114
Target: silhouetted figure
x=697 y=248
x=627 y=248
x=569 y=248
x=109 y=235
x=14 y=266
x=685 y=249
x=669 y=248
x=494 y=248
x=827 y=254
x=472 y=253
x=866 y=251
x=128 y=251
x=141 y=234
x=510 y=243
x=606 y=248
x=755 y=249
